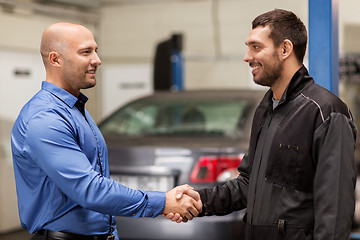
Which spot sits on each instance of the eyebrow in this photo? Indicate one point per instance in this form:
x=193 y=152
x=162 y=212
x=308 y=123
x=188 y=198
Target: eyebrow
x=89 y=48
x=251 y=43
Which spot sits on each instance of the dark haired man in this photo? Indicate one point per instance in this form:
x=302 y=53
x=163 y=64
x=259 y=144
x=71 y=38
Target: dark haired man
x=298 y=178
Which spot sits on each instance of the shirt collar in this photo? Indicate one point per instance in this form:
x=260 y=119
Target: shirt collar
x=62 y=94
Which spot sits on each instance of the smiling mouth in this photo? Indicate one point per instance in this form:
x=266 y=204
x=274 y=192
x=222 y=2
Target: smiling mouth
x=91 y=72
x=255 y=67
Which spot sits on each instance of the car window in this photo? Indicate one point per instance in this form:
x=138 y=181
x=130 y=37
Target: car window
x=170 y=117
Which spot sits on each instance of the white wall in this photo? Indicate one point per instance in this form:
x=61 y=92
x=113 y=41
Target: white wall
x=19 y=38
x=123 y=83
x=129 y=33
x=349 y=25
x=19 y=50
x=15 y=90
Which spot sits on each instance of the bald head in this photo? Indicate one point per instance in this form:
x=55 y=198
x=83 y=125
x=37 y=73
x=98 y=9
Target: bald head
x=69 y=52
x=56 y=38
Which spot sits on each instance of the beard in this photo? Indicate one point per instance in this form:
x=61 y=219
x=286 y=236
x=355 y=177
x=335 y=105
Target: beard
x=77 y=76
x=271 y=73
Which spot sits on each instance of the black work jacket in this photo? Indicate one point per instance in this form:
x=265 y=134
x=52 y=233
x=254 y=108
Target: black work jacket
x=297 y=180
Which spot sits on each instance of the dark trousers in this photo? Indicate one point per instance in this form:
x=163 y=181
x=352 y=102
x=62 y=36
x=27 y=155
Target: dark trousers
x=37 y=236
x=51 y=235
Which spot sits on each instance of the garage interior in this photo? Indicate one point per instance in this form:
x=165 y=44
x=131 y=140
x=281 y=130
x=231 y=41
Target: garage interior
x=127 y=32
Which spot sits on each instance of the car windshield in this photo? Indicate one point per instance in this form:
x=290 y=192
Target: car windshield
x=179 y=117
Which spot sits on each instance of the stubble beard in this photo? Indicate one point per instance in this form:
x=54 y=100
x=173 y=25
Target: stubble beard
x=79 y=78
x=271 y=75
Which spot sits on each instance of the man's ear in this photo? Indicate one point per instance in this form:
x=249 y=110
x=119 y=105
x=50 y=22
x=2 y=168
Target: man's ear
x=287 y=48
x=54 y=58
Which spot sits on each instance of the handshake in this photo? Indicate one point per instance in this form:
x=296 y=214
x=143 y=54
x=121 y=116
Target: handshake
x=182 y=204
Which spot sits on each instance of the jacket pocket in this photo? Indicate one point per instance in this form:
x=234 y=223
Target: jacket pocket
x=299 y=234
x=309 y=234
x=288 y=167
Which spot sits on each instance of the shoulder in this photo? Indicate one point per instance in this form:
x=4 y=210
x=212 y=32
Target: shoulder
x=42 y=111
x=325 y=101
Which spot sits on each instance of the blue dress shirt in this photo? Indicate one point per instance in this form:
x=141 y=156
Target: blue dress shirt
x=62 y=172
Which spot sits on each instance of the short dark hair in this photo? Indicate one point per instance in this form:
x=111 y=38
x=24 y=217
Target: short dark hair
x=284 y=25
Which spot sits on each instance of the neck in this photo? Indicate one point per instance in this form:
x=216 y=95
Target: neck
x=278 y=88
x=63 y=85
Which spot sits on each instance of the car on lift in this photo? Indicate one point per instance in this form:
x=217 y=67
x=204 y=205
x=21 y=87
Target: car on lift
x=171 y=138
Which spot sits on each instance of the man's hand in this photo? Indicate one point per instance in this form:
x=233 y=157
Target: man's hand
x=184 y=202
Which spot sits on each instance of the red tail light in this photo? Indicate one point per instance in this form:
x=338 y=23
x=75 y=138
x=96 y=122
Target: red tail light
x=209 y=168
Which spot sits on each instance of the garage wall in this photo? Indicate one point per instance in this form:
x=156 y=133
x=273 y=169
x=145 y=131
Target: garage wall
x=349 y=25
x=27 y=84
x=19 y=35
x=19 y=50
x=214 y=35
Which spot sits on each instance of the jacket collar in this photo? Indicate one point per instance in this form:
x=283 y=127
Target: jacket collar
x=298 y=82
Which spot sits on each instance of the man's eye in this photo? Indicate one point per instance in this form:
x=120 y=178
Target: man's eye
x=256 y=47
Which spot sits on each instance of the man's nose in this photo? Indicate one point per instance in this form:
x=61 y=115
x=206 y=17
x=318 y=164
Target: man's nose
x=247 y=57
x=96 y=60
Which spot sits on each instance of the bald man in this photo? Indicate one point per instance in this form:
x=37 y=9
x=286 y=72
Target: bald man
x=60 y=157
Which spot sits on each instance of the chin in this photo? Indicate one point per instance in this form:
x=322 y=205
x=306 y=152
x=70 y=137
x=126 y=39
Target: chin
x=258 y=81
x=91 y=83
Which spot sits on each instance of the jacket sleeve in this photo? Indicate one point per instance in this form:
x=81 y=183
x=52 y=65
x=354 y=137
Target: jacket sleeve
x=224 y=199
x=334 y=197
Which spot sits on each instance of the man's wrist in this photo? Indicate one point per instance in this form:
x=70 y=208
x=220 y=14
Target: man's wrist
x=156 y=203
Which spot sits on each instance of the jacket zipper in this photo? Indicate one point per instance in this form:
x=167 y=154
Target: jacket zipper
x=269 y=119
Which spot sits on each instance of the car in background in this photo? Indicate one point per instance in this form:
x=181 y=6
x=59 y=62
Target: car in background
x=171 y=138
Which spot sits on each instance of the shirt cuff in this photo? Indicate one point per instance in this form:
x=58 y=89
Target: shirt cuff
x=156 y=203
